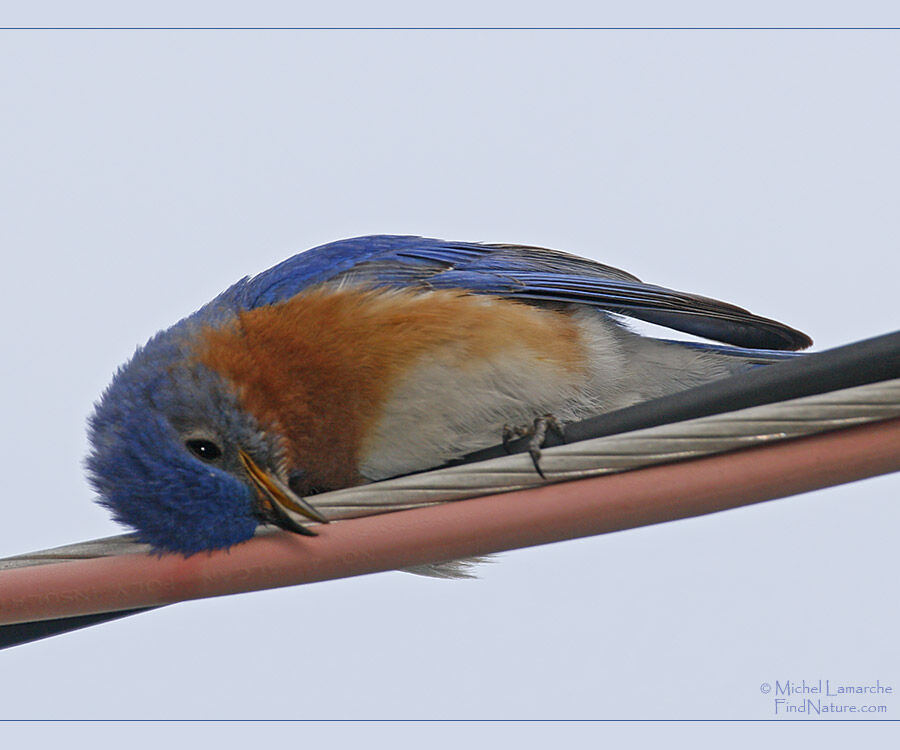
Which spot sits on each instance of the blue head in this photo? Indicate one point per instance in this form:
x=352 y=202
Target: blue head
x=174 y=456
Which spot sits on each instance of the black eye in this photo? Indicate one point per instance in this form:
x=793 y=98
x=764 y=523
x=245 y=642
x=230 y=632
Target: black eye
x=205 y=449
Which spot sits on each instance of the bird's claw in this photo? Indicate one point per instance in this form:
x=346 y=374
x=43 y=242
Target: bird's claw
x=513 y=433
x=538 y=433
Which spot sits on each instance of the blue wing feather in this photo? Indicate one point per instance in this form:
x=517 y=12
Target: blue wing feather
x=530 y=274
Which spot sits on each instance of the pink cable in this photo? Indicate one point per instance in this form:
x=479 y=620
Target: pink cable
x=456 y=530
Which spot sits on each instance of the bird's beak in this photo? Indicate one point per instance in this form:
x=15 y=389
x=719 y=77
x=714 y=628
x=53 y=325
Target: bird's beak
x=284 y=507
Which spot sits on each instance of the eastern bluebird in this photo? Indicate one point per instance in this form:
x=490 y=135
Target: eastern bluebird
x=377 y=356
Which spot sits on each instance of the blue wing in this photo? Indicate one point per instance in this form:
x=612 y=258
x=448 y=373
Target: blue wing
x=529 y=274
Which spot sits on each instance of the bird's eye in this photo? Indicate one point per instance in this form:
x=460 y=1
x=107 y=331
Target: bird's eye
x=205 y=449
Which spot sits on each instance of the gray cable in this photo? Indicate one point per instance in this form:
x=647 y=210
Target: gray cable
x=667 y=443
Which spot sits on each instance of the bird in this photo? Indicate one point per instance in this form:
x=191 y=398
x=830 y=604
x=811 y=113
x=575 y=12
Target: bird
x=378 y=356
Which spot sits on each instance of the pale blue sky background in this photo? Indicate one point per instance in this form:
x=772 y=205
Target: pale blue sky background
x=143 y=172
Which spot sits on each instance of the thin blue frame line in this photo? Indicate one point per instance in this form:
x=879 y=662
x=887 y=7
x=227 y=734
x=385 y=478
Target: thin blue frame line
x=449 y=28
x=448 y=721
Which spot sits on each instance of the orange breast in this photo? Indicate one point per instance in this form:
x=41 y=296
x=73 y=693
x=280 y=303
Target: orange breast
x=316 y=368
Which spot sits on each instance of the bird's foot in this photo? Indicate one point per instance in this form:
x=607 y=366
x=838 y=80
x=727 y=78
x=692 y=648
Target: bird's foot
x=537 y=431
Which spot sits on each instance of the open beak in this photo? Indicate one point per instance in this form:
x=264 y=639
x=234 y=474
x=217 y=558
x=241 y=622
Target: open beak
x=281 y=506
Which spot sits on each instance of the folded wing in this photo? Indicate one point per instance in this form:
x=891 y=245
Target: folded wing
x=530 y=274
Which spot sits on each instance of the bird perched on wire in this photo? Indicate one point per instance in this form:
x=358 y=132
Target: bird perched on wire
x=378 y=356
